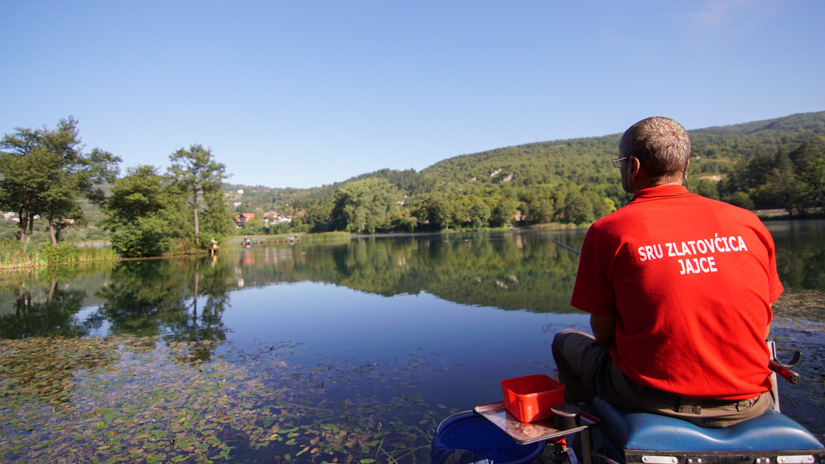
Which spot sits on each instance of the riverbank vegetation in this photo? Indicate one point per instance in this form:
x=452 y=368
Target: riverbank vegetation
x=773 y=164
x=46 y=178
x=14 y=255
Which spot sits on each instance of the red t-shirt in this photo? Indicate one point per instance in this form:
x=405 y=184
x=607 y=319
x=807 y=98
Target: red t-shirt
x=691 y=281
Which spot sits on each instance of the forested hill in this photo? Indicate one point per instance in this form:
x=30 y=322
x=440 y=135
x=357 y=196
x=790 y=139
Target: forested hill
x=568 y=165
x=797 y=123
x=547 y=163
x=715 y=150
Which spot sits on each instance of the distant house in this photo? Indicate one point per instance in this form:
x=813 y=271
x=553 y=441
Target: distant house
x=275 y=217
x=241 y=219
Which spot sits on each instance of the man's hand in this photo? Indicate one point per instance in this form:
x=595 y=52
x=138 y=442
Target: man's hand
x=604 y=329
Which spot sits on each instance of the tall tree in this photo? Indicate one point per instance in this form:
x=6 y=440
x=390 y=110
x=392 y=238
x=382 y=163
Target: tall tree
x=216 y=219
x=135 y=196
x=199 y=177
x=438 y=211
x=134 y=213
x=364 y=205
x=814 y=181
x=479 y=214
x=24 y=180
x=503 y=212
x=45 y=173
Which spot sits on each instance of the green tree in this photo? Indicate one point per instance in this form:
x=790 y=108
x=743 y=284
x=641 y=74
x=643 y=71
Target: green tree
x=45 y=173
x=297 y=225
x=319 y=214
x=813 y=192
x=438 y=211
x=216 y=217
x=742 y=200
x=536 y=208
x=807 y=152
x=707 y=188
x=579 y=209
x=256 y=224
x=198 y=177
x=815 y=178
x=503 y=212
x=598 y=204
x=404 y=220
x=133 y=213
x=364 y=205
x=135 y=197
x=21 y=184
x=479 y=214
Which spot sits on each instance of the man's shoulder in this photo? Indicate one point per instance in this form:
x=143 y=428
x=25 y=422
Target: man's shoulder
x=729 y=210
x=688 y=200
x=614 y=224
x=684 y=207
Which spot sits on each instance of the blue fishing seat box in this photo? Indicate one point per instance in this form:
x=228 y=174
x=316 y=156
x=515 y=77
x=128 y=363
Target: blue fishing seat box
x=771 y=438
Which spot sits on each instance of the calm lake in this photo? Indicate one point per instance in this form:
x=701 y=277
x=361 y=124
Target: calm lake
x=349 y=352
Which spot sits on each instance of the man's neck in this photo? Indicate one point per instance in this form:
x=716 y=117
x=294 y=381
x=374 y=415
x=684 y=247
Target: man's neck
x=650 y=183
x=663 y=182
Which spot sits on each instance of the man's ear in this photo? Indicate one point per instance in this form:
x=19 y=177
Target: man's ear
x=633 y=166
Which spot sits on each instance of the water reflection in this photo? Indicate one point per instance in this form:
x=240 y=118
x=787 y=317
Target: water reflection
x=44 y=309
x=179 y=300
x=184 y=299
x=368 y=337
x=508 y=271
x=800 y=253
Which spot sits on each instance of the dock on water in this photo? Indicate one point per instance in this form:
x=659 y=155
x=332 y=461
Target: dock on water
x=269 y=241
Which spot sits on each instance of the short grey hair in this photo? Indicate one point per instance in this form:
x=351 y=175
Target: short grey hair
x=661 y=145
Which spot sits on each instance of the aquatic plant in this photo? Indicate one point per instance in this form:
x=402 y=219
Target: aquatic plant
x=119 y=399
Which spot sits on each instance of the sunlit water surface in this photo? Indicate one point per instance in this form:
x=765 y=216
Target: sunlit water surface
x=381 y=338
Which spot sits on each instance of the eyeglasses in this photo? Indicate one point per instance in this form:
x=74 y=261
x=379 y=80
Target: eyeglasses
x=617 y=163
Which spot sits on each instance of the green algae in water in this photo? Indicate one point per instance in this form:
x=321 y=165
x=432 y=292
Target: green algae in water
x=125 y=399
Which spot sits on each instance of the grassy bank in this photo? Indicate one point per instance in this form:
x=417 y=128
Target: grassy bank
x=14 y=255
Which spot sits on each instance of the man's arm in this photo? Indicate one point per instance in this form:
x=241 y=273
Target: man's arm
x=604 y=328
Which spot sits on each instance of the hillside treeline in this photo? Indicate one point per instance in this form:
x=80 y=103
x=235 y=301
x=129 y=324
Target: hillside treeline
x=766 y=164
x=791 y=180
x=54 y=187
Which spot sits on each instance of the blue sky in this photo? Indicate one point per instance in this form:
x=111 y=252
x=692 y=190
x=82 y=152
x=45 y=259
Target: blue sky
x=302 y=94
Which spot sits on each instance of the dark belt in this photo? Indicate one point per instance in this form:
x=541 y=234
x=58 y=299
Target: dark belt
x=687 y=405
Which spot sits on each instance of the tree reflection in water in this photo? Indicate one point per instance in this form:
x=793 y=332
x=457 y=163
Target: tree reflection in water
x=162 y=297
x=185 y=303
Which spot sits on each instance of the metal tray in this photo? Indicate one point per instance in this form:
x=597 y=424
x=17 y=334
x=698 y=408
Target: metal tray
x=524 y=433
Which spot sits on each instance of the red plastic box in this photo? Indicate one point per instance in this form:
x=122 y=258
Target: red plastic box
x=530 y=398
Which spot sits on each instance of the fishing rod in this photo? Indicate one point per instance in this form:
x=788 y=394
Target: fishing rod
x=563 y=244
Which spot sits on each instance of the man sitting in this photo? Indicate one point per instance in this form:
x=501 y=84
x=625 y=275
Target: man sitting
x=679 y=289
